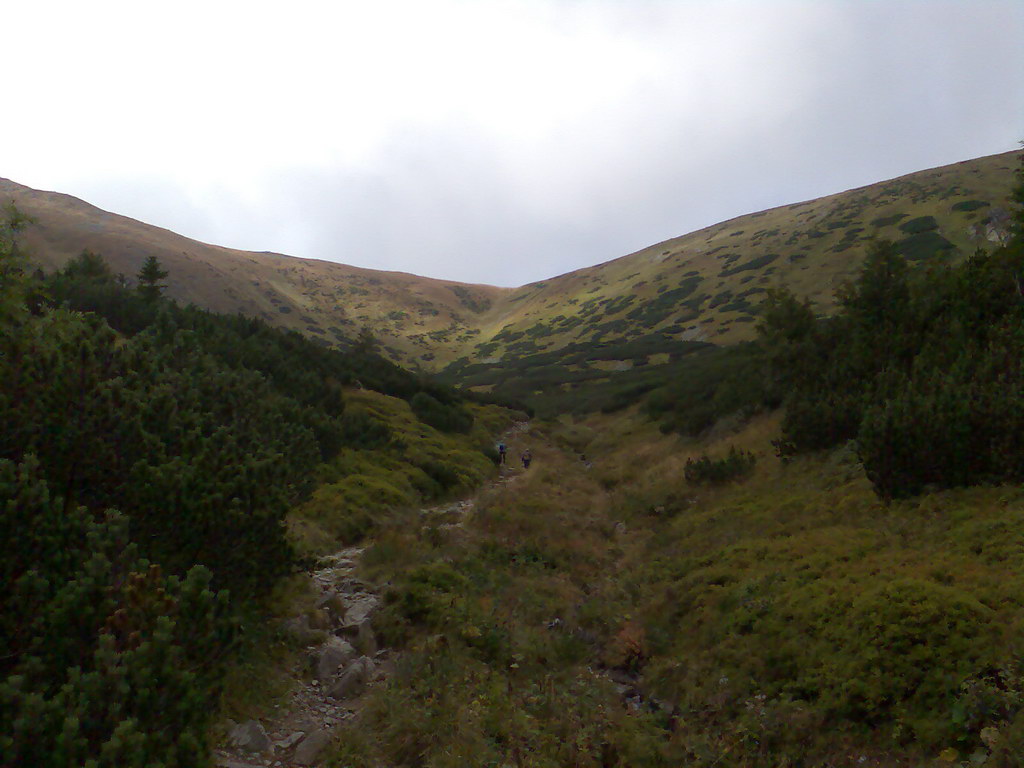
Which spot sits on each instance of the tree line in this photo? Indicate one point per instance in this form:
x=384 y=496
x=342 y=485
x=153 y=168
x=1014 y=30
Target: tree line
x=923 y=368
x=148 y=455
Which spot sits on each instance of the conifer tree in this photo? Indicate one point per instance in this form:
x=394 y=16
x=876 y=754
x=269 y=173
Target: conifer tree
x=13 y=279
x=787 y=332
x=150 y=277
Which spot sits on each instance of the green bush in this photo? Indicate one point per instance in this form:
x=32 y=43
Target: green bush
x=107 y=661
x=447 y=418
x=969 y=205
x=359 y=429
x=756 y=263
x=893 y=639
x=441 y=472
x=924 y=245
x=886 y=221
x=925 y=369
x=705 y=470
x=918 y=225
x=961 y=426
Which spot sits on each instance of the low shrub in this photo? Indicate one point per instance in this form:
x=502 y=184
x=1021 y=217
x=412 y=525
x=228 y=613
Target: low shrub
x=968 y=205
x=920 y=224
x=447 y=418
x=705 y=470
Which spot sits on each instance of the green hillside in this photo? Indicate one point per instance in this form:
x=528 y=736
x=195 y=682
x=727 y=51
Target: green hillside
x=827 y=583
x=790 y=542
x=703 y=286
x=162 y=471
x=613 y=323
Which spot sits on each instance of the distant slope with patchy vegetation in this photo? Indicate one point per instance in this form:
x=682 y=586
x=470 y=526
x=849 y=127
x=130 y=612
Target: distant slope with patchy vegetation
x=416 y=318
x=609 y=325
x=649 y=308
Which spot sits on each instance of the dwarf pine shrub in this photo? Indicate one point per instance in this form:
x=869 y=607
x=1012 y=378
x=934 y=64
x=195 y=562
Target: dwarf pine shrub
x=705 y=470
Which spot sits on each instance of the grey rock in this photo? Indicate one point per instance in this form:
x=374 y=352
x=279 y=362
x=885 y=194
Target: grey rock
x=352 y=586
x=283 y=745
x=309 y=748
x=353 y=680
x=333 y=654
x=361 y=634
x=360 y=608
x=250 y=736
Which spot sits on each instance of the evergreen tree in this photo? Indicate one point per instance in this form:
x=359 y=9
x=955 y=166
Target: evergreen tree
x=787 y=332
x=150 y=277
x=89 y=266
x=13 y=279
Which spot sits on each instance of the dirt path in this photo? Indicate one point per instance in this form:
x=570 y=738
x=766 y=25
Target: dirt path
x=345 y=664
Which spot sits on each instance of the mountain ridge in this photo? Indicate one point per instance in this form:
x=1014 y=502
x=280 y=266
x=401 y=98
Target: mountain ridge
x=700 y=286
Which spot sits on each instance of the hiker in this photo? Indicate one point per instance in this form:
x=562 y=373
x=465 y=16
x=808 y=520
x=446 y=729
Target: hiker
x=526 y=459
x=501 y=453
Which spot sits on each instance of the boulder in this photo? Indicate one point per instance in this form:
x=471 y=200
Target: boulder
x=350 y=585
x=331 y=655
x=250 y=736
x=309 y=748
x=283 y=745
x=360 y=608
x=357 y=624
x=353 y=680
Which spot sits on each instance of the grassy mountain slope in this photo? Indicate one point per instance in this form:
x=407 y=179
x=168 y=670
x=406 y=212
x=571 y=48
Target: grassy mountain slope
x=651 y=307
x=414 y=316
x=701 y=287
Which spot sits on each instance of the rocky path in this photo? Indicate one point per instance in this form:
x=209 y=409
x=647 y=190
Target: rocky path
x=342 y=658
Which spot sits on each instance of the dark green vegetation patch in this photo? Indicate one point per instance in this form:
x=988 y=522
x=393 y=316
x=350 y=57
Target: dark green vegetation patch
x=564 y=380
x=887 y=221
x=918 y=225
x=924 y=245
x=755 y=263
x=965 y=206
x=148 y=456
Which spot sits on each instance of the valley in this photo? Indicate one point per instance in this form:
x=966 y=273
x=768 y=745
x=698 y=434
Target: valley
x=640 y=309
x=602 y=609
x=773 y=515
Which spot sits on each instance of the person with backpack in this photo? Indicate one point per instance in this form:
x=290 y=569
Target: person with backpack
x=501 y=453
x=526 y=459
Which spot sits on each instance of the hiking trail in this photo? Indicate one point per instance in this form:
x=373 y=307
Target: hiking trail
x=348 y=662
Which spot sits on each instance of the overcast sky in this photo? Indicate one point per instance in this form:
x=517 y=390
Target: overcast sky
x=486 y=141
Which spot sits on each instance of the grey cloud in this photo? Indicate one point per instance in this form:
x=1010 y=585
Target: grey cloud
x=873 y=91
